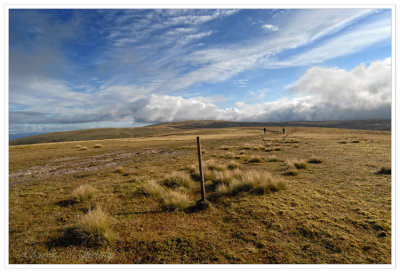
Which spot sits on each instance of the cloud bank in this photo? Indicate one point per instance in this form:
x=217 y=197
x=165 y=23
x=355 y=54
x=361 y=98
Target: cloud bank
x=322 y=93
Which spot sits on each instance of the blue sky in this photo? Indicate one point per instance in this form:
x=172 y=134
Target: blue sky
x=74 y=69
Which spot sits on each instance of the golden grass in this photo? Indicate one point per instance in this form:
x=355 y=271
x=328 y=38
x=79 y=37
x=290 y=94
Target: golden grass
x=315 y=221
x=83 y=148
x=153 y=188
x=119 y=170
x=98 y=146
x=296 y=163
x=273 y=159
x=177 y=179
x=255 y=159
x=233 y=165
x=212 y=165
x=84 y=193
x=78 y=146
x=259 y=182
x=175 y=200
x=95 y=227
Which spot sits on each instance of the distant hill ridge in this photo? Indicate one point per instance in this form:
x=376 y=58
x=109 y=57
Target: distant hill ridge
x=176 y=127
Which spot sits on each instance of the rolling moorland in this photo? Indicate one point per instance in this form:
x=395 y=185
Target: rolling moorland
x=315 y=195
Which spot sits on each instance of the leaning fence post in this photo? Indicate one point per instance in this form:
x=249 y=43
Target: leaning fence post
x=203 y=189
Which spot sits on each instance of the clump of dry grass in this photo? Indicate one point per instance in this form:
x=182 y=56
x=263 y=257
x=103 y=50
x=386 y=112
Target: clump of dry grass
x=208 y=175
x=95 y=227
x=252 y=181
x=153 y=188
x=192 y=168
x=179 y=178
x=212 y=165
x=229 y=155
x=119 y=170
x=175 y=200
x=84 y=193
x=98 y=146
x=296 y=163
x=273 y=159
x=78 y=146
x=224 y=148
x=314 y=160
x=84 y=148
x=223 y=177
x=255 y=159
x=233 y=165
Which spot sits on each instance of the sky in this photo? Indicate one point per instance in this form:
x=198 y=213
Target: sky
x=95 y=68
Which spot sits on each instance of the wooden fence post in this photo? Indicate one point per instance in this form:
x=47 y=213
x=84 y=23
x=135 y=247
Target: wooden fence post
x=203 y=189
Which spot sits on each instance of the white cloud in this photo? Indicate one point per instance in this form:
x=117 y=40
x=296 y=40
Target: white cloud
x=162 y=108
x=300 y=29
x=322 y=94
x=270 y=27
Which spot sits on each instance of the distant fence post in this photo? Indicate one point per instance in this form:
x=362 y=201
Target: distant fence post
x=203 y=189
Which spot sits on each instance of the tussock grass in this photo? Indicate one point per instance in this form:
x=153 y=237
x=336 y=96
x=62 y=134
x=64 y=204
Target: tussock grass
x=223 y=177
x=179 y=178
x=83 y=148
x=291 y=172
x=153 y=188
x=98 y=146
x=193 y=168
x=245 y=147
x=78 y=146
x=224 y=148
x=212 y=165
x=229 y=155
x=175 y=200
x=233 y=165
x=83 y=193
x=314 y=160
x=95 y=227
x=255 y=159
x=296 y=164
x=251 y=181
x=119 y=170
x=274 y=159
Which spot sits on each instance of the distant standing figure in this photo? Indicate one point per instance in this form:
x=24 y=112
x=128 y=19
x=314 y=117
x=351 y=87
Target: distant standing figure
x=283 y=130
x=265 y=130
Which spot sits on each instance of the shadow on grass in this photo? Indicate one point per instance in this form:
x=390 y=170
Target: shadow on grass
x=385 y=170
x=66 y=203
x=69 y=237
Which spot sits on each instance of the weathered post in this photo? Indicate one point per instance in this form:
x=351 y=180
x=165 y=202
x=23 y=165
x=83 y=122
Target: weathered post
x=203 y=188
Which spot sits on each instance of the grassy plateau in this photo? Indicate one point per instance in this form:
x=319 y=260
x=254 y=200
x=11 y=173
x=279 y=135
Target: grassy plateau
x=314 y=196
